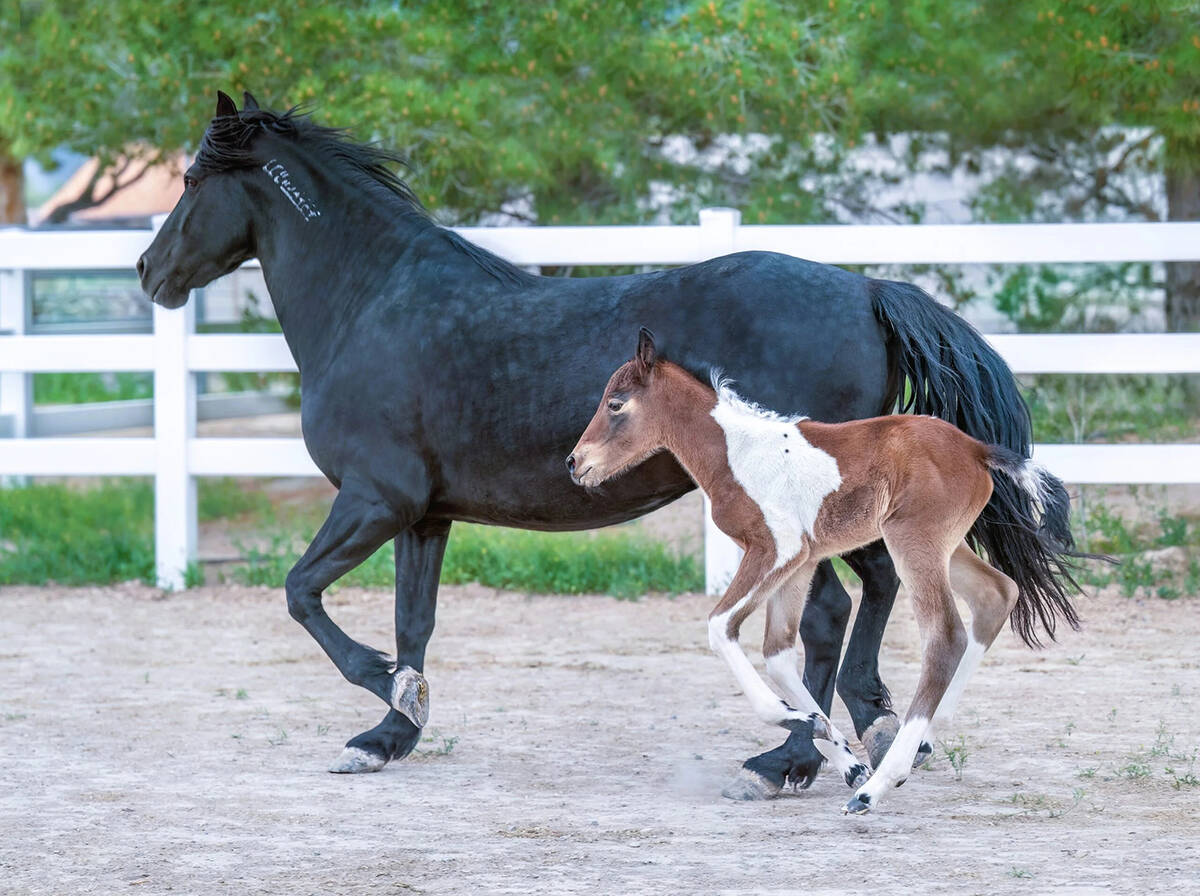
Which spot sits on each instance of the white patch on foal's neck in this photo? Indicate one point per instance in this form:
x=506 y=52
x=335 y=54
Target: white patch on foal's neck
x=780 y=470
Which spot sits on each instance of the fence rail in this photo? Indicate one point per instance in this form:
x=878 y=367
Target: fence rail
x=174 y=456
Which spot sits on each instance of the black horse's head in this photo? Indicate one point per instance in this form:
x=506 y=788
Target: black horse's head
x=208 y=233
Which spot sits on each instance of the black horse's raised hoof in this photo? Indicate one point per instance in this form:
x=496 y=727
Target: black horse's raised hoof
x=410 y=695
x=879 y=736
x=858 y=805
x=750 y=785
x=357 y=761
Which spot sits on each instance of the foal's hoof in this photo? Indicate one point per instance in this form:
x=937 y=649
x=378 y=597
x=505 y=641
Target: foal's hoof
x=410 y=695
x=748 y=785
x=860 y=804
x=923 y=753
x=879 y=736
x=355 y=761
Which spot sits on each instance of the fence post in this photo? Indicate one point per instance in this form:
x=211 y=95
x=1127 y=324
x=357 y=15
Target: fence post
x=718 y=236
x=174 y=426
x=16 y=388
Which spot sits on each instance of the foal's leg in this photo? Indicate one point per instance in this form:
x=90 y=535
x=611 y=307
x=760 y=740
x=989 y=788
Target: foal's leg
x=923 y=566
x=822 y=627
x=358 y=523
x=784 y=609
x=419 y=553
x=991 y=595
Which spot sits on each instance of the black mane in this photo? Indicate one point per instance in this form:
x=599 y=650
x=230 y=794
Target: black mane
x=227 y=145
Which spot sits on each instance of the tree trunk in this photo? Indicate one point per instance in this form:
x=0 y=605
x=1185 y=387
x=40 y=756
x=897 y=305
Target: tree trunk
x=12 y=189
x=1183 y=204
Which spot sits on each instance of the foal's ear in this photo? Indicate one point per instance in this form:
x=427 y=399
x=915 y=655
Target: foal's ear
x=225 y=105
x=249 y=103
x=647 y=353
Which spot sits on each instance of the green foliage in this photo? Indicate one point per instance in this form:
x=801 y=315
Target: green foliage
x=617 y=563
x=77 y=536
x=566 y=103
x=1101 y=530
x=1112 y=407
x=79 y=388
x=104 y=534
x=227 y=498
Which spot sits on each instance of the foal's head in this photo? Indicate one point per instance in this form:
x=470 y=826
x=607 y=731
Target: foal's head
x=628 y=426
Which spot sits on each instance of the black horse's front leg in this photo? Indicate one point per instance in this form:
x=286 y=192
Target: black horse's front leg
x=419 y=553
x=822 y=628
x=858 y=683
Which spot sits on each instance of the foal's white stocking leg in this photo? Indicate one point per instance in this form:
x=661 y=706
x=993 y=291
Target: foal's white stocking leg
x=784 y=669
x=767 y=705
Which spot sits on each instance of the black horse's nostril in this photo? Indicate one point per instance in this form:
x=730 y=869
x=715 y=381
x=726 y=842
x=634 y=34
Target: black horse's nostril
x=571 y=464
x=141 y=267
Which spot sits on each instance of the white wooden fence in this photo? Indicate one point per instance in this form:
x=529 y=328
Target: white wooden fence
x=174 y=456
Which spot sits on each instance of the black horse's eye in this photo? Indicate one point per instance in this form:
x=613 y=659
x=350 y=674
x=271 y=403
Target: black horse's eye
x=615 y=404
x=189 y=182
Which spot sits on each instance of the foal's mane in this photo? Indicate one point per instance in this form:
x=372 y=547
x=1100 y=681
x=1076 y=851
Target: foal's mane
x=723 y=386
x=228 y=144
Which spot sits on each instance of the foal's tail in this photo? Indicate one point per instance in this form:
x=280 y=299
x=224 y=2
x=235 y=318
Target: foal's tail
x=1025 y=530
x=941 y=366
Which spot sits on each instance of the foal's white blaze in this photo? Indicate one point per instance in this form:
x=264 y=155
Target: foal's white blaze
x=780 y=470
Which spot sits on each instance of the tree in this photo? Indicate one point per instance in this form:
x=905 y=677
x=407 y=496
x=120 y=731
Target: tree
x=1090 y=91
x=556 y=111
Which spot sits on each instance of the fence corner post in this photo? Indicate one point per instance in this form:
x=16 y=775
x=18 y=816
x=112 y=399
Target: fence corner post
x=718 y=236
x=174 y=426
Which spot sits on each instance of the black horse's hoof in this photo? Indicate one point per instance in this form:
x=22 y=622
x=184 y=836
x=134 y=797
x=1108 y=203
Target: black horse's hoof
x=858 y=805
x=356 y=761
x=750 y=785
x=879 y=736
x=923 y=753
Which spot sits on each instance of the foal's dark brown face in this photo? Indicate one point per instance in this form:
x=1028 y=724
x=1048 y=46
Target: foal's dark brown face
x=622 y=432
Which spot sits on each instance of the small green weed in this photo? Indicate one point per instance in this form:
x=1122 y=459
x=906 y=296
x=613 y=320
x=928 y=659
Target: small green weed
x=956 y=753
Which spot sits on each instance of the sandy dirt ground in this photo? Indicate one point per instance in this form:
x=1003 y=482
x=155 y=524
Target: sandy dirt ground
x=154 y=743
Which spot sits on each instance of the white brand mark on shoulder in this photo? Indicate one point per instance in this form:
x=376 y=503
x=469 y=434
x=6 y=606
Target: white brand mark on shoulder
x=283 y=180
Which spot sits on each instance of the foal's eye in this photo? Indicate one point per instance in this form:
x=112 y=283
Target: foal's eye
x=615 y=404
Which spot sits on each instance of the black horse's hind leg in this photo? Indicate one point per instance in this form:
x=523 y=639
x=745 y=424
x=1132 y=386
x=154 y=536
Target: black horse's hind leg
x=822 y=628
x=858 y=683
x=419 y=554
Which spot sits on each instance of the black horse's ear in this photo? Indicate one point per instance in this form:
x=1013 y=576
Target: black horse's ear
x=647 y=353
x=225 y=105
x=249 y=103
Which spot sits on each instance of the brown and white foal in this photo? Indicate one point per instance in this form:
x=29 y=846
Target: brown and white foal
x=792 y=492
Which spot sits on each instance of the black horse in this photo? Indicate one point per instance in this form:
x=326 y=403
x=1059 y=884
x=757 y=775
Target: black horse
x=422 y=361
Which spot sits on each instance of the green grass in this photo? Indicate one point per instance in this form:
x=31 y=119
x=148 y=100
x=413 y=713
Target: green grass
x=57 y=533
x=617 y=563
x=104 y=534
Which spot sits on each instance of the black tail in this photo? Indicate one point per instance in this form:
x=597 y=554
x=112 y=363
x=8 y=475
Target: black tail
x=943 y=367
x=949 y=369
x=1036 y=554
